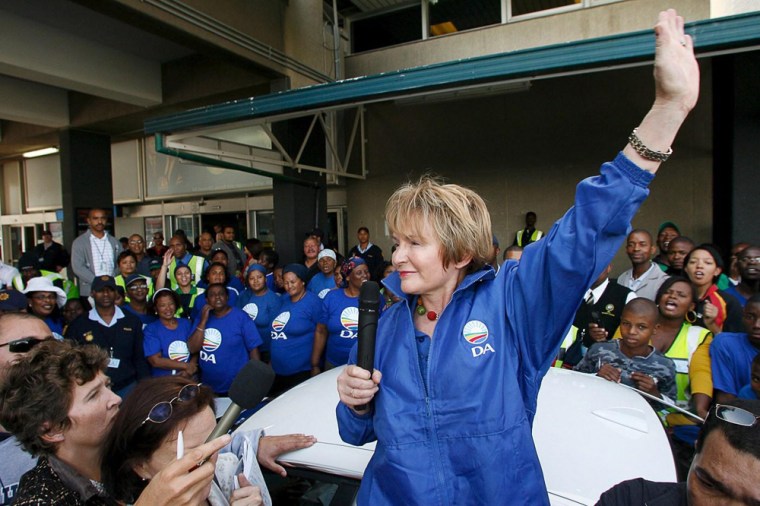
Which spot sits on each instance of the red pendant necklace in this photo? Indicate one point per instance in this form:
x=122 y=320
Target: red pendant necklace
x=420 y=310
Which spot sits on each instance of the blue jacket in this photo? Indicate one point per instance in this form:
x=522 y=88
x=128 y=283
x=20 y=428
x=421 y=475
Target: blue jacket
x=467 y=438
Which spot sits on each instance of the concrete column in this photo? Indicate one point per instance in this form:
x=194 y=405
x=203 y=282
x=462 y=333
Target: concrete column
x=299 y=208
x=85 y=178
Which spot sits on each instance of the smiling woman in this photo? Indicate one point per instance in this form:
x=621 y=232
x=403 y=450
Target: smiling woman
x=458 y=324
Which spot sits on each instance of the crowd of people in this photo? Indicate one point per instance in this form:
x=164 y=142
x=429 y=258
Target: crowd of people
x=178 y=314
x=100 y=379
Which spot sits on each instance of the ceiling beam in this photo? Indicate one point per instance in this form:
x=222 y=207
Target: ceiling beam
x=33 y=103
x=40 y=53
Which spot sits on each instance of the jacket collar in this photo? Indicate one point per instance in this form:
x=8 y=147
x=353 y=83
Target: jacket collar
x=393 y=283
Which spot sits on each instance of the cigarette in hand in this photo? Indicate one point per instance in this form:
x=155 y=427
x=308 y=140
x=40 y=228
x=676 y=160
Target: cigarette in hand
x=180 y=445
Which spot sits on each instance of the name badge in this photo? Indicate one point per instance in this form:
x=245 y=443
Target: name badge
x=113 y=363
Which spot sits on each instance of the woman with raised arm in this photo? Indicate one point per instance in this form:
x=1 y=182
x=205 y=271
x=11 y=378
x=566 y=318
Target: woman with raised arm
x=464 y=351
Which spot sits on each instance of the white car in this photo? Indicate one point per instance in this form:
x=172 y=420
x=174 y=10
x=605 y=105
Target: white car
x=590 y=434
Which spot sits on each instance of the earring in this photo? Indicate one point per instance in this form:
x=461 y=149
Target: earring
x=693 y=316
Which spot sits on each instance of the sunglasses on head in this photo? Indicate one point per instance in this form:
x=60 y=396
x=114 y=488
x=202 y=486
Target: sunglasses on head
x=736 y=416
x=24 y=344
x=162 y=411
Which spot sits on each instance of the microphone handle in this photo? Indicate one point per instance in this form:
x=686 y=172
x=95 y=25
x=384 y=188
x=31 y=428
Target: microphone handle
x=225 y=422
x=366 y=350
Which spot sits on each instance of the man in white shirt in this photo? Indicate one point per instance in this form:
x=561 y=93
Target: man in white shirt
x=94 y=253
x=644 y=277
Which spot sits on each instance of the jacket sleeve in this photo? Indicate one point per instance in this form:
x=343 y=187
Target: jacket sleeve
x=355 y=429
x=79 y=261
x=543 y=294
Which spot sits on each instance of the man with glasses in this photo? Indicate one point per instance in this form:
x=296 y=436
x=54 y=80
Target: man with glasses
x=748 y=266
x=19 y=333
x=136 y=244
x=724 y=471
x=118 y=333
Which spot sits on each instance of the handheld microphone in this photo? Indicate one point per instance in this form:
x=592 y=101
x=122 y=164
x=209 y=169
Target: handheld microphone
x=248 y=388
x=369 y=307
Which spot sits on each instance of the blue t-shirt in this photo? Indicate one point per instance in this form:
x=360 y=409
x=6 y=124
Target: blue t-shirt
x=731 y=355
x=340 y=314
x=56 y=327
x=227 y=342
x=292 y=334
x=320 y=285
x=170 y=343
x=746 y=392
x=200 y=301
x=262 y=310
x=145 y=319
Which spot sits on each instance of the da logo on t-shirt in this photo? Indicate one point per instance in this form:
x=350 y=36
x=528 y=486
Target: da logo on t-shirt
x=323 y=293
x=475 y=332
x=278 y=325
x=178 y=351
x=252 y=310
x=349 y=318
x=212 y=338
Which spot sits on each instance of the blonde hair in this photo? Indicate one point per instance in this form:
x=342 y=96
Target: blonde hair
x=458 y=216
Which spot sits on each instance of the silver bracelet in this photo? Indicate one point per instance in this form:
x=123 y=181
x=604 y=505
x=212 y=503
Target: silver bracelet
x=645 y=152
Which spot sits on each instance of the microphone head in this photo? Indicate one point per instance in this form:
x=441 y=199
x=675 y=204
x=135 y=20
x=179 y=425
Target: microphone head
x=369 y=293
x=251 y=384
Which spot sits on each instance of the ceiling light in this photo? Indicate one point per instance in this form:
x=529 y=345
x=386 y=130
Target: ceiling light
x=40 y=152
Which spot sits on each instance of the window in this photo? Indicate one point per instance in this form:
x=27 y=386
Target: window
x=448 y=16
x=387 y=29
x=520 y=7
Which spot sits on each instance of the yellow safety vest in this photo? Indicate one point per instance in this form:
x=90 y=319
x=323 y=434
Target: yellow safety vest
x=680 y=352
x=535 y=236
x=120 y=282
x=570 y=337
x=196 y=267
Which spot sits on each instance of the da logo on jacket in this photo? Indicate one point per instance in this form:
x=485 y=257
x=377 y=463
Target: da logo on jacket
x=475 y=332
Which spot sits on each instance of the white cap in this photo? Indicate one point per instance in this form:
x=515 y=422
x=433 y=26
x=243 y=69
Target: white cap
x=327 y=253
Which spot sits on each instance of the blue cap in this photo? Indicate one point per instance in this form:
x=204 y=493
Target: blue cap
x=299 y=270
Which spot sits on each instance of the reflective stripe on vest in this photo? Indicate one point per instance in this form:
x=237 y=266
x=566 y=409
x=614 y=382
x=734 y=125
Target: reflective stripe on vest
x=566 y=343
x=684 y=345
x=535 y=236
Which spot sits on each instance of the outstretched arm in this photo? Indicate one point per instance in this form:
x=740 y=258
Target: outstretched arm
x=676 y=77
x=560 y=267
